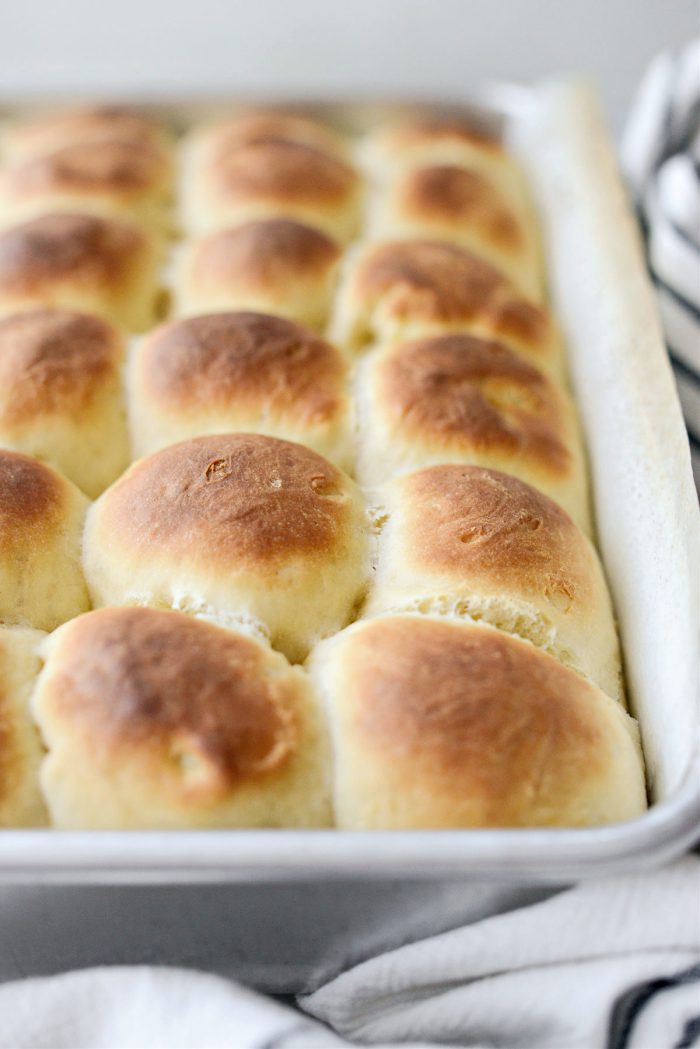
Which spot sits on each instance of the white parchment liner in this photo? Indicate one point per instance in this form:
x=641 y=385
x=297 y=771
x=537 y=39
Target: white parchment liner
x=645 y=501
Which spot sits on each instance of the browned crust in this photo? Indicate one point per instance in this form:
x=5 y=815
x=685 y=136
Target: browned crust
x=203 y=701
x=262 y=255
x=53 y=361
x=97 y=252
x=269 y=126
x=460 y=391
x=229 y=500
x=281 y=172
x=469 y=521
x=243 y=359
x=442 y=281
x=475 y=713
x=86 y=124
x=453 y=195
x=431 y=129
x=32 y=500
x=118 y=168
x=433 y=282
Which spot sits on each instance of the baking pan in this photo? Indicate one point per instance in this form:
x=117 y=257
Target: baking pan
x=647 y=524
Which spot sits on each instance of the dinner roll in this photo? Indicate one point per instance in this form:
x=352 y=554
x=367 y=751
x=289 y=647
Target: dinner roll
x=446 y=202
x=38 y=135
x=433 y=140
x=105 y=178
x=223 y=137
x=404 y=289
x=41 y=520
x=273 y=178
x=83 y=262
x=239 y=527
x=444 y=724
x=274 y=265
x=469 y=542
x=247 y=372
x=60 y=394
x=21 y=803
x=152 y=719
x=459 y=398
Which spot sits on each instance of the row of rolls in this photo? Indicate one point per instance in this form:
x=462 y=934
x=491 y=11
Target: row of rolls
x=294 y=519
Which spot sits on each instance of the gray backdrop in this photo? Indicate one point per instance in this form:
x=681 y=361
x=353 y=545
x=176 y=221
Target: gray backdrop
x=317 y=46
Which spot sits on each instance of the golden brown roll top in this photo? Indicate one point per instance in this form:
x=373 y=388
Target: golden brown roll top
x=252 y=128
x=272 y=265
x=272 y=178
x=153 y=719
x=458 y=398
x=431 y=140
x=41 y=521
x=247 y=372
x=427 y=137
x=479 y=544
x=82 y=262
x=441 y=724
x=450 y=203
x=21 y=803
x=240 y=527
x=38 y=135
x=405 y=289
x=60 y=394
x=102 y=177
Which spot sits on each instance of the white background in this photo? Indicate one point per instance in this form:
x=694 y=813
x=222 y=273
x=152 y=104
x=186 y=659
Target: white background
x=317 y=47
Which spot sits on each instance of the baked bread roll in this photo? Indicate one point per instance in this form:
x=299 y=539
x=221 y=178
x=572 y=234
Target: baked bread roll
x=223 y=137
x=270 y=179
x=238 y=527
x=39 y=135
x=123 y=179
x=152 y=719
x=404 y=145
x=41 y=521
x=61 y=394
x=21 y=803
x=247 y=372
x=443 y=724
x=450 y=203
x=404 y=289
x=82 y=262
x=462 y=399
x=468 y=542
x=272 y=265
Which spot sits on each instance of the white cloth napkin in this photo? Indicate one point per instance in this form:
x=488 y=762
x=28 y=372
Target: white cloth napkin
x=140 y=1007
x=543 y=976
x=612 y=963
x=660 y=153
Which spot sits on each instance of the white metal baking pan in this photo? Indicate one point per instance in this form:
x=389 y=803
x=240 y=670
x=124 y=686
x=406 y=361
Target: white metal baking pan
x=649 y=533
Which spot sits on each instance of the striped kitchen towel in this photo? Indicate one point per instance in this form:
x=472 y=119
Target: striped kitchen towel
x=660 y=153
